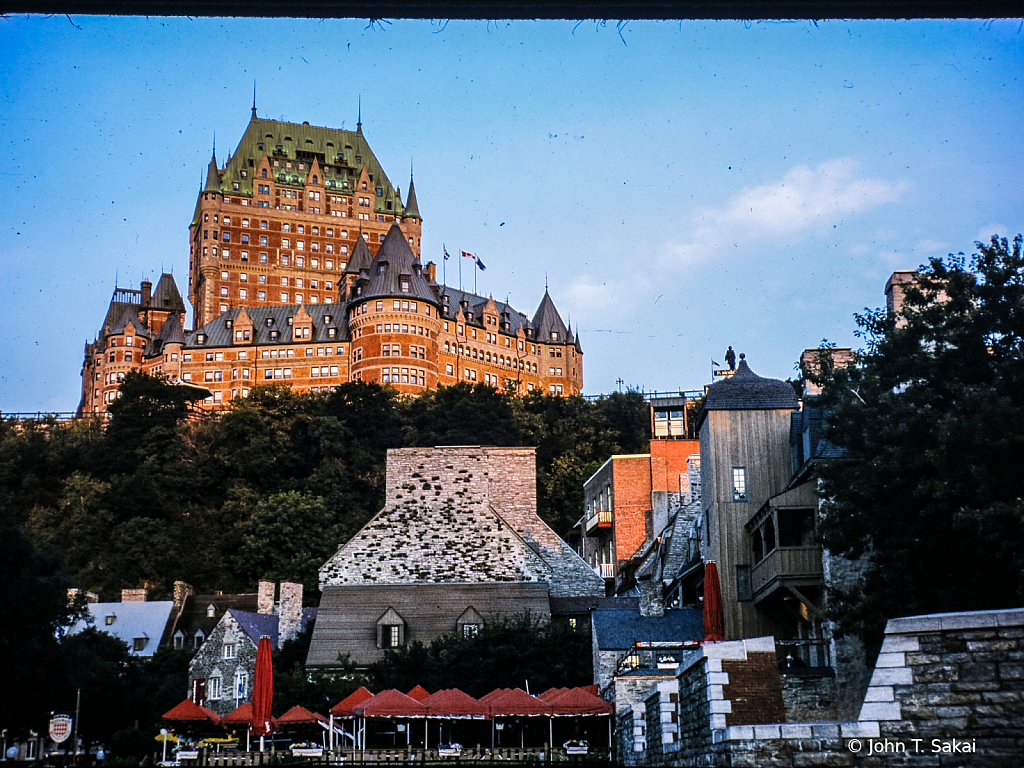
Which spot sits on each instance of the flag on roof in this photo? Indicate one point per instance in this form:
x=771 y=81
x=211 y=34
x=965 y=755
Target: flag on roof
x=480 y=264
x=446 y=255
x=713 y=362
x=468 y=255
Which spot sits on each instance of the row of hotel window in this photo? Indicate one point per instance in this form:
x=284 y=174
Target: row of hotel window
x=298 y=282
x=268 y=373
x=285 y=260
x=266 y=353
x=285 y=227
x=403 y=376
x=480 y=354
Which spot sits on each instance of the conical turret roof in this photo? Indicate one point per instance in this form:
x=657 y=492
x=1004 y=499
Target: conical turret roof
x=412 y=208
x=548 y=323
x=166 y=295
x=212 y=176
x=171 y=332
x=395 y=271
x=361 y=257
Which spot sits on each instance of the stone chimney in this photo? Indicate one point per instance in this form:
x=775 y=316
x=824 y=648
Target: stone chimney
x=90 y=597
x=265 y=596
x=147 y=299
x=651 y=601
x=182 y=592
x=134 y=595
x=289 y=612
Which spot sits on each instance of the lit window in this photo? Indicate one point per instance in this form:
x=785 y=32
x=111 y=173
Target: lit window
x=739 y=483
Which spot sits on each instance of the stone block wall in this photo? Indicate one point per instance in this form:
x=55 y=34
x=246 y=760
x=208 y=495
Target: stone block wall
x=289 y=611
x=958 y=675
x=809 y=697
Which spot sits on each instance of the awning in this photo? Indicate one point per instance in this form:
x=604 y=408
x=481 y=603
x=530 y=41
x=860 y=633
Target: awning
x=189 y=711
x=454 y=703
x=345 y=707
x=391 y=703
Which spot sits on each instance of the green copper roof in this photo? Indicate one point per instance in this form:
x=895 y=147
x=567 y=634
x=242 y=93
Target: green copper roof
x=344 y=153
x=412 y=208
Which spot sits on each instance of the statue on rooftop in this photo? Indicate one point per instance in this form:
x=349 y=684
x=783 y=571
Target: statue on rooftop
x=730 y=359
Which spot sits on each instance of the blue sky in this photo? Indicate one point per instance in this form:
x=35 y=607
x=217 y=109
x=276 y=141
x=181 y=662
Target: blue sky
x=682 y=188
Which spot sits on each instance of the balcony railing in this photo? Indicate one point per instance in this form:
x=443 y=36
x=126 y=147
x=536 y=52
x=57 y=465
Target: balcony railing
x=800 y=565
x=605 y=570
x=601 y=518
x=795 y=656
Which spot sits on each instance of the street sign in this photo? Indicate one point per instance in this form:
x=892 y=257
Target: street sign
x=60 y=728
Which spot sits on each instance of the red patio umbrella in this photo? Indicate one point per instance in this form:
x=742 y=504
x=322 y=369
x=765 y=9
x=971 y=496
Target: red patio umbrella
x=390 y=703
x=262 y=689
x=714 y=622
x=190 y=712
x=419 y=693
x=516 y=701
x=240 y=715
x=346 y=707
x=452 y=702
x=579 y=701
x=299 y=716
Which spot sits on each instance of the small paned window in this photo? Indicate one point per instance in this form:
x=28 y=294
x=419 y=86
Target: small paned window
x=739 y=484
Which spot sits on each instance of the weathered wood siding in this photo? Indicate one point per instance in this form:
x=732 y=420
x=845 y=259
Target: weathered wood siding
x=759 y=441
x=347 y=621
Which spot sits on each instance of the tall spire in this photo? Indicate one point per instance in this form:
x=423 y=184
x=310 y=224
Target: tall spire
x=359 y=118
x=254 y=99
x=412 y=209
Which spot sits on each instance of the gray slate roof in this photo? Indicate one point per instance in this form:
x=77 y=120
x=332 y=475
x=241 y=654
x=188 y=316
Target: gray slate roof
x=394 y=263
x=256 y=625
x=547 y=321
x=219 y=335
x=142 y=619
x=618 y=629
x=745 y=390
x=477 y=304
x=166 y=295
x=361 y=257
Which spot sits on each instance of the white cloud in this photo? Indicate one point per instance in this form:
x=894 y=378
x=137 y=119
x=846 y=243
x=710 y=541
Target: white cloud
x=803 y=200
x=985 y=233
x=931 y=246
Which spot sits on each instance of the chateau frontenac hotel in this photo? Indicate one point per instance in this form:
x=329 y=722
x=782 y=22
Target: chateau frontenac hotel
x=305 y=270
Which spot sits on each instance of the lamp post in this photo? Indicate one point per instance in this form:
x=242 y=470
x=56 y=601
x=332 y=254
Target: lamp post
x=163 y=736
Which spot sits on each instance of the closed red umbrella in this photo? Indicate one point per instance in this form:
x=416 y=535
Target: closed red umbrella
x=714 y=622
x=262 y=689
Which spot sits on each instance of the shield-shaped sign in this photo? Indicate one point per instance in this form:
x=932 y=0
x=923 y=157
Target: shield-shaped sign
x=60 y=727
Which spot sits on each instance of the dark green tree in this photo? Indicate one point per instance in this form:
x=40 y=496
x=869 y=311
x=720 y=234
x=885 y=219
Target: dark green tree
x=316 y=690
x=931 y=420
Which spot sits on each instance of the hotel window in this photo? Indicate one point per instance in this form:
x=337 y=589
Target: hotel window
x=230 y=650
x=739 y=484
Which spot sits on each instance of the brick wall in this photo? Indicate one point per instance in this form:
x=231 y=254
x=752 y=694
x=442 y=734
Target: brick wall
x=631 y=486
x=754 y=689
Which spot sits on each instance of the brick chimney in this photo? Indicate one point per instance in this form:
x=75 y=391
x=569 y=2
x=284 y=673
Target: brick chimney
x=289 y=611
x=265 y=596
x=134 y=595
x=147 y=298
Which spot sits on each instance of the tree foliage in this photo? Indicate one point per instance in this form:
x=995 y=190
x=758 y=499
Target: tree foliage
x=274 y=484
x=931 y=419
x=521 y=652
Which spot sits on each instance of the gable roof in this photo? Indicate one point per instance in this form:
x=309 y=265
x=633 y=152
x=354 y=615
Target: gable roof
x=618 y=629
x=390 y=703
x=453 y=702
x=256 y=625
x=132 y=620
x=745 y=390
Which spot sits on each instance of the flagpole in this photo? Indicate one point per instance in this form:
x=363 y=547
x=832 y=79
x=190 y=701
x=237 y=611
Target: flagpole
x=460 y=270
x=476 y=268
x=444 y=265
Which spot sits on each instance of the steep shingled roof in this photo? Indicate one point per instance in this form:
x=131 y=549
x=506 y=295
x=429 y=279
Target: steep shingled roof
x=334 y=148
x=218 y=334
x=255 y=625
x=361 y=257
x=455 y=297
x=745 y=390
x=166 y=295
x=394 y=265
x=412 y=208
x=547 y=321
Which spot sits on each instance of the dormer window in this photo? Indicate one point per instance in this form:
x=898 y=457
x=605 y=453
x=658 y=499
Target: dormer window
x=554 y=335
x=390 y=630
x=200 y=338
x=110 y=619
x=327 y=318
x=198 y=638
x=211 y=611
x=405 y=286
x=270 y=321
x=380 y=269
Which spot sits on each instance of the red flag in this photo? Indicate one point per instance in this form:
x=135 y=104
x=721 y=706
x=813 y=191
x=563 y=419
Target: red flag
x=468 y=255
x=262 y=689
x=714 y=622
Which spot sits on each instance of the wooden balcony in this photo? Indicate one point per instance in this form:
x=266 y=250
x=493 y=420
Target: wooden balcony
x=605 y=570
x=798 y=566
x=602 y=518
